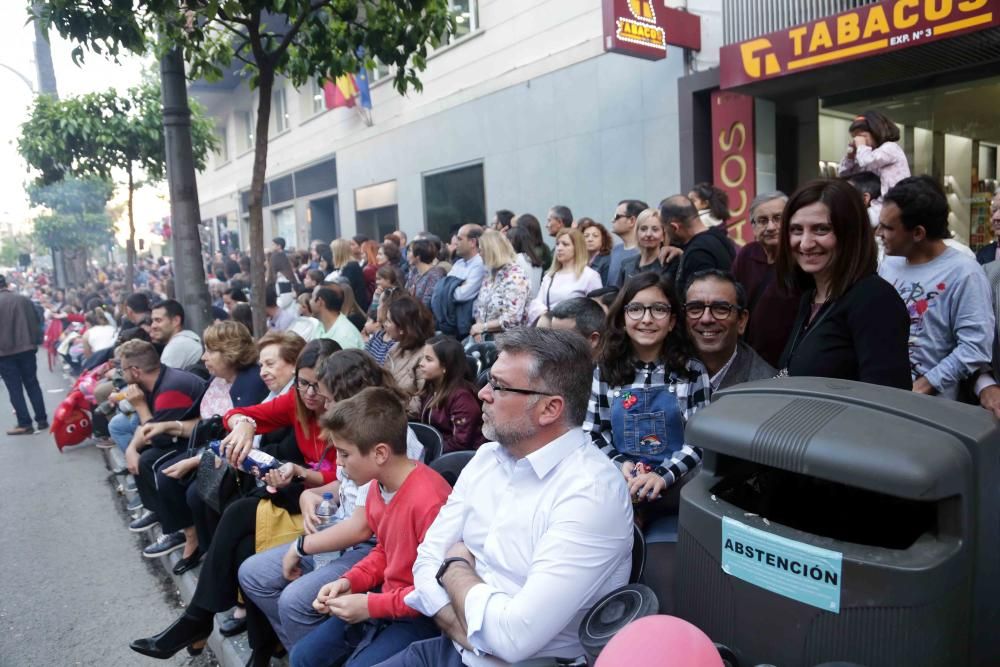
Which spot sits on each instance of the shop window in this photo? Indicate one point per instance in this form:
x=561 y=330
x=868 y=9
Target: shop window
x=244 y=131
x=317 y=99
x=466 y=13
x=377 y=211
x=283 y=225
x=222 y=151
x=279 y=110
x=453 y=198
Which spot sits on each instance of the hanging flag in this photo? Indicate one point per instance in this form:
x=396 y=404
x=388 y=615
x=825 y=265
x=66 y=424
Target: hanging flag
x=364 y=93
x=340 y=93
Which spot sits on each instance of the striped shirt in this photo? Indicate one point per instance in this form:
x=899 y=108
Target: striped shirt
x=693 y=392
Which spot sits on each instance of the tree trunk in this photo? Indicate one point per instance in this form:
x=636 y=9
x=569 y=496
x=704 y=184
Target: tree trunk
x=266 y=84
x=130 y=248
x=190 y=286
x=43 y=57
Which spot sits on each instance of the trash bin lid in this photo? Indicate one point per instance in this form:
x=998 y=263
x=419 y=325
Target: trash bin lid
x=613 y=612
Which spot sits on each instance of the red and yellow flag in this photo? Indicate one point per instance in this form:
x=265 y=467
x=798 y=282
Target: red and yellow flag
x=340 y=93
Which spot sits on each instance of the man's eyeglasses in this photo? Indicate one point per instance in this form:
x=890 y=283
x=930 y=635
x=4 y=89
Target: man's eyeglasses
x=720 y=310
x=496 y=388
x=619 y=216
x=305 y=386
x=637 y=311
x=762 y=221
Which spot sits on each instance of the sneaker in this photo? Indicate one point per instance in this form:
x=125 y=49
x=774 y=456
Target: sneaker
x=134 y=504
x=100 y=443
x=43 y=426
x=21 y=430
x=164 y=544
x=144 y=523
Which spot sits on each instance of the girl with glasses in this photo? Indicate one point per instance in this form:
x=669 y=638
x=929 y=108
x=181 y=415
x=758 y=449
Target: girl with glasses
x=448 y=401
x=646 y=385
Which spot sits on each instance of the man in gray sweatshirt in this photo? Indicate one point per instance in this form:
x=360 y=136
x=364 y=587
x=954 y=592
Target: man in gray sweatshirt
x=947 y=294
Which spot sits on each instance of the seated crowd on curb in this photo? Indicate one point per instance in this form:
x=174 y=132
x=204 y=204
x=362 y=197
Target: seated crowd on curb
x=289 y=467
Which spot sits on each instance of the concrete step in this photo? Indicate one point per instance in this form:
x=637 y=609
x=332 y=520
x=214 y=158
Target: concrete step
x=228 y=651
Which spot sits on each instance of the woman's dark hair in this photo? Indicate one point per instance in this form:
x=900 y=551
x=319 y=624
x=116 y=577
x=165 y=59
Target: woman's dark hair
x=615 y=356
x=317 y=276
x=520 y=238
x=242 y=314
x=424 y=250
x=530 y=223
x=391 y=273
x=391 y=252
x=456 y=372
x=312 y=356
x=717 y=199
x=325 y=259
x=232 y=268
x=878 y=125
x=606 y=241
x=855 y=255
x=414 y=321
x=280 y=264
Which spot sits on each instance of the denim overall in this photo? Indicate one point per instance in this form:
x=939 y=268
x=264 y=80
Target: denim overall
x=647 y=426
x=646 y=423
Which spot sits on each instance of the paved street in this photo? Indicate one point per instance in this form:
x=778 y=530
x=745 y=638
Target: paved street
x=74 y=589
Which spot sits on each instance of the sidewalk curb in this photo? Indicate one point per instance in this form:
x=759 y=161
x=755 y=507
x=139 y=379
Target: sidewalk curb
x=228 y=651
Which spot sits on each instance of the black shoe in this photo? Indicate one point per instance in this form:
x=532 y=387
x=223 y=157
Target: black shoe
x=182 y=632
x=21 y=430
x=120 y=470
x=233 y=626
x=42 y=426
x=259 y=658
x=144 y=523
x=164 y=544
x=189 y=563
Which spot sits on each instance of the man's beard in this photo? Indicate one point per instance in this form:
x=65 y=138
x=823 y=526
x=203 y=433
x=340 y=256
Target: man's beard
x=510 y=434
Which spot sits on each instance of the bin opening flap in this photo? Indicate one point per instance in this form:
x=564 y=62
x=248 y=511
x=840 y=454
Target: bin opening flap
x=864 y=436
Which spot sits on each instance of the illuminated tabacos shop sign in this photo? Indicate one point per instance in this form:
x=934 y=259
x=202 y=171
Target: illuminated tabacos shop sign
x=866 y=31
x=643 y=28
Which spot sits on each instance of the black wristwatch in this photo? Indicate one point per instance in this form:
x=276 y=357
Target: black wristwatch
x=446 y=564
x=300 y=546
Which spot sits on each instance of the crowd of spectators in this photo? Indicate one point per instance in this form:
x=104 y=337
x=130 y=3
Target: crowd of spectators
x=571 y=373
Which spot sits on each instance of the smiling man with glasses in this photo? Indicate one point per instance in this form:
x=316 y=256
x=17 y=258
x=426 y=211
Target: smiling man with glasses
x=715 y=313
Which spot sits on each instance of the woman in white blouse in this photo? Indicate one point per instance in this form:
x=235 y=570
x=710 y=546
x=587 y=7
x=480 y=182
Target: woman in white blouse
x=568 y=277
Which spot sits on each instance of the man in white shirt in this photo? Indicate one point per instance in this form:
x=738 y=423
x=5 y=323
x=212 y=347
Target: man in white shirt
x=470 y=267
x=538 y=527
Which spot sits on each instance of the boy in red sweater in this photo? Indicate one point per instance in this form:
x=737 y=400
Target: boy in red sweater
x=367 y=625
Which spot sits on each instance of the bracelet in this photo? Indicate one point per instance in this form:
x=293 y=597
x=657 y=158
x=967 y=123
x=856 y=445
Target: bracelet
x=300 y=546
x=236 y=420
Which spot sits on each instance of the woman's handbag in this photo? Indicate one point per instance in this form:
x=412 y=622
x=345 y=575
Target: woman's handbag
x=214 y=481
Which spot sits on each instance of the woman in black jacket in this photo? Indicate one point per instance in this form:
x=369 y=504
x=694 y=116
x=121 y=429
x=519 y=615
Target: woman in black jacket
x=851 y=324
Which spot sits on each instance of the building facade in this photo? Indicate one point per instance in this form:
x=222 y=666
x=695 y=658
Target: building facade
x=523 y=110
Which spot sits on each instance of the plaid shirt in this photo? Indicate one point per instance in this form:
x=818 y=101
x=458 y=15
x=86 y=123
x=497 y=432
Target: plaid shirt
x=693 y=392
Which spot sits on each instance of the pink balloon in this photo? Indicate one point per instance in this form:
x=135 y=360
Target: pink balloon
x=660 y=641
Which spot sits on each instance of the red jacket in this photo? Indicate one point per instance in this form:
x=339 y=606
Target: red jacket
x=400 y=527
x=280 y=413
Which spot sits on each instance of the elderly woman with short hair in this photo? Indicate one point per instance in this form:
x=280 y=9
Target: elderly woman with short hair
x=231 y=359
x=772 y=304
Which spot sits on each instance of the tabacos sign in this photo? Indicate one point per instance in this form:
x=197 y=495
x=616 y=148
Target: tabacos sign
x=734 y=166
x=862 y=32
x=644 y=28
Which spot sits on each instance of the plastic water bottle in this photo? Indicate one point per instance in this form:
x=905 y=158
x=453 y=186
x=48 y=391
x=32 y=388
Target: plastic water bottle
x=324 y=515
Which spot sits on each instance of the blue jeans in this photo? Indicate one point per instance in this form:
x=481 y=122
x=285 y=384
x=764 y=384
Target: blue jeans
x=288 y=604
x=335 y=639
x=122 y=427
x=437 y=652
x=20 y=374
